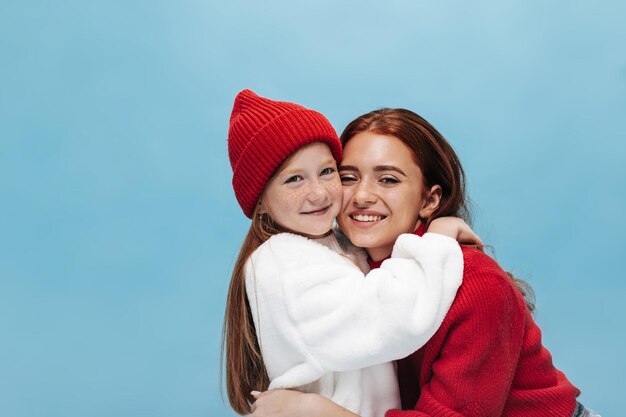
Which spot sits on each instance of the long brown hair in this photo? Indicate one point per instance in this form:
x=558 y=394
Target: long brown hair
x=435 y=157
x=245 y=370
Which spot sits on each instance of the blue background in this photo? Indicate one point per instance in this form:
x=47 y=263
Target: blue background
x=119 y=228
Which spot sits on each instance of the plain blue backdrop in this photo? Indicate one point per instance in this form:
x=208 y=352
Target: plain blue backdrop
x=119 y=228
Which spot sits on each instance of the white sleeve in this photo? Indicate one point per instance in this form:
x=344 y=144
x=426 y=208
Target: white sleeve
x=345 y=320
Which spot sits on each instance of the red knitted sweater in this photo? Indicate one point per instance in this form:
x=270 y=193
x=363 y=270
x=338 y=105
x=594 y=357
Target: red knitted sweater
x=486 y=359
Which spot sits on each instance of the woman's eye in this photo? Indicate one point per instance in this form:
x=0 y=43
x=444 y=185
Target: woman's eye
x=327 y=171
x=294 y=178
x=347 y=178
x=389 y=180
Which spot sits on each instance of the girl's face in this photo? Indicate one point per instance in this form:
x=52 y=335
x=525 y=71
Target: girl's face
x=383 y=192
x=304 y=196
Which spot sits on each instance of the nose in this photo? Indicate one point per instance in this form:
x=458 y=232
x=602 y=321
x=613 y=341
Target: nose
x=317 y=192
x=363 y=195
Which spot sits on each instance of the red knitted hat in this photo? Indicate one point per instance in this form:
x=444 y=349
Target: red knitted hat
x=262 y=134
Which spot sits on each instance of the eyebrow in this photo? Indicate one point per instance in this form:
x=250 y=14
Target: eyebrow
x=377 y=168
x=347 y=168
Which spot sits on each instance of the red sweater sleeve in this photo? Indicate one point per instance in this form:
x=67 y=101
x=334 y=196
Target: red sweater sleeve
x=469 y=365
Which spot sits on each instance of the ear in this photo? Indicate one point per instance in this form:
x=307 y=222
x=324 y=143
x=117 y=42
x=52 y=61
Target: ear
x=431 y=201
x=261 y=207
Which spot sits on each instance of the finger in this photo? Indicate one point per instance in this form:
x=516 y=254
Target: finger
x=473 y=236
x=477 y=241
x=470 y=238
x=255 y=394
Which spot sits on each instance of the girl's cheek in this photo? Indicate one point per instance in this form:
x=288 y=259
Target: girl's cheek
x=292 y=199
x=336 y=190
x=336 y=186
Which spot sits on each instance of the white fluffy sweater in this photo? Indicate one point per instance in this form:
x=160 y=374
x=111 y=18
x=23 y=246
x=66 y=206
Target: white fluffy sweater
x=325 y=327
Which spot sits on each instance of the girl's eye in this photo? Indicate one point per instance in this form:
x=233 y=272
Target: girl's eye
x=346 y=178
x=294 y=178
x=327 y=171
x=389 y=180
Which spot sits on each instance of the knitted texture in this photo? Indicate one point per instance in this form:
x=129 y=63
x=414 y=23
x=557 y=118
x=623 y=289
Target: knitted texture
x=486 y=359
x=262 y=134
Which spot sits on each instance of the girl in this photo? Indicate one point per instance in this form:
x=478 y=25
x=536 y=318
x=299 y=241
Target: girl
x=300 y=313
x=487 y=358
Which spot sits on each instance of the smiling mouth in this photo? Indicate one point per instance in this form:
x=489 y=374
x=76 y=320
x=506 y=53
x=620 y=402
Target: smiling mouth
x=367 y=218
x=320 y=211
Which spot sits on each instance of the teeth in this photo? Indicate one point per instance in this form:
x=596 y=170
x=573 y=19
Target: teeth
x=366 y=218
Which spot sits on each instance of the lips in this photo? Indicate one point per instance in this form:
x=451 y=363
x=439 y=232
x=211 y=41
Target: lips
x=366 y=217
x=322 y=210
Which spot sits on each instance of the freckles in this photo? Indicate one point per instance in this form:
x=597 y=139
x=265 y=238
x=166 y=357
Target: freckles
x=291 y=200
x=335 y=189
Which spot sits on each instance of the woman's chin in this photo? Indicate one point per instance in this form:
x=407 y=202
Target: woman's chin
x=364 y=241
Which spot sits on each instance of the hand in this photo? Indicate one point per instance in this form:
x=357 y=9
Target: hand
x=276 y=403
x=456 y=229
x=289 y=403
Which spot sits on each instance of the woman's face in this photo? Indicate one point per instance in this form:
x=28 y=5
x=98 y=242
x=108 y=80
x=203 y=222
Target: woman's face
x=304 y=196
x=383 y=192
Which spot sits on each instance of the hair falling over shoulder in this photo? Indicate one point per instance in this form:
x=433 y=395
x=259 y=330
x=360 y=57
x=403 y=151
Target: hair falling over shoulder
x=241 y=354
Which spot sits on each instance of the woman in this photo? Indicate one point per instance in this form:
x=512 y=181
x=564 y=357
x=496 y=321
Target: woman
x=487 y=358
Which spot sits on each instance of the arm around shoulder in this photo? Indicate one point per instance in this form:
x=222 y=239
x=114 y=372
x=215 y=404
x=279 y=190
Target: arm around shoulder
x=343 y=320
